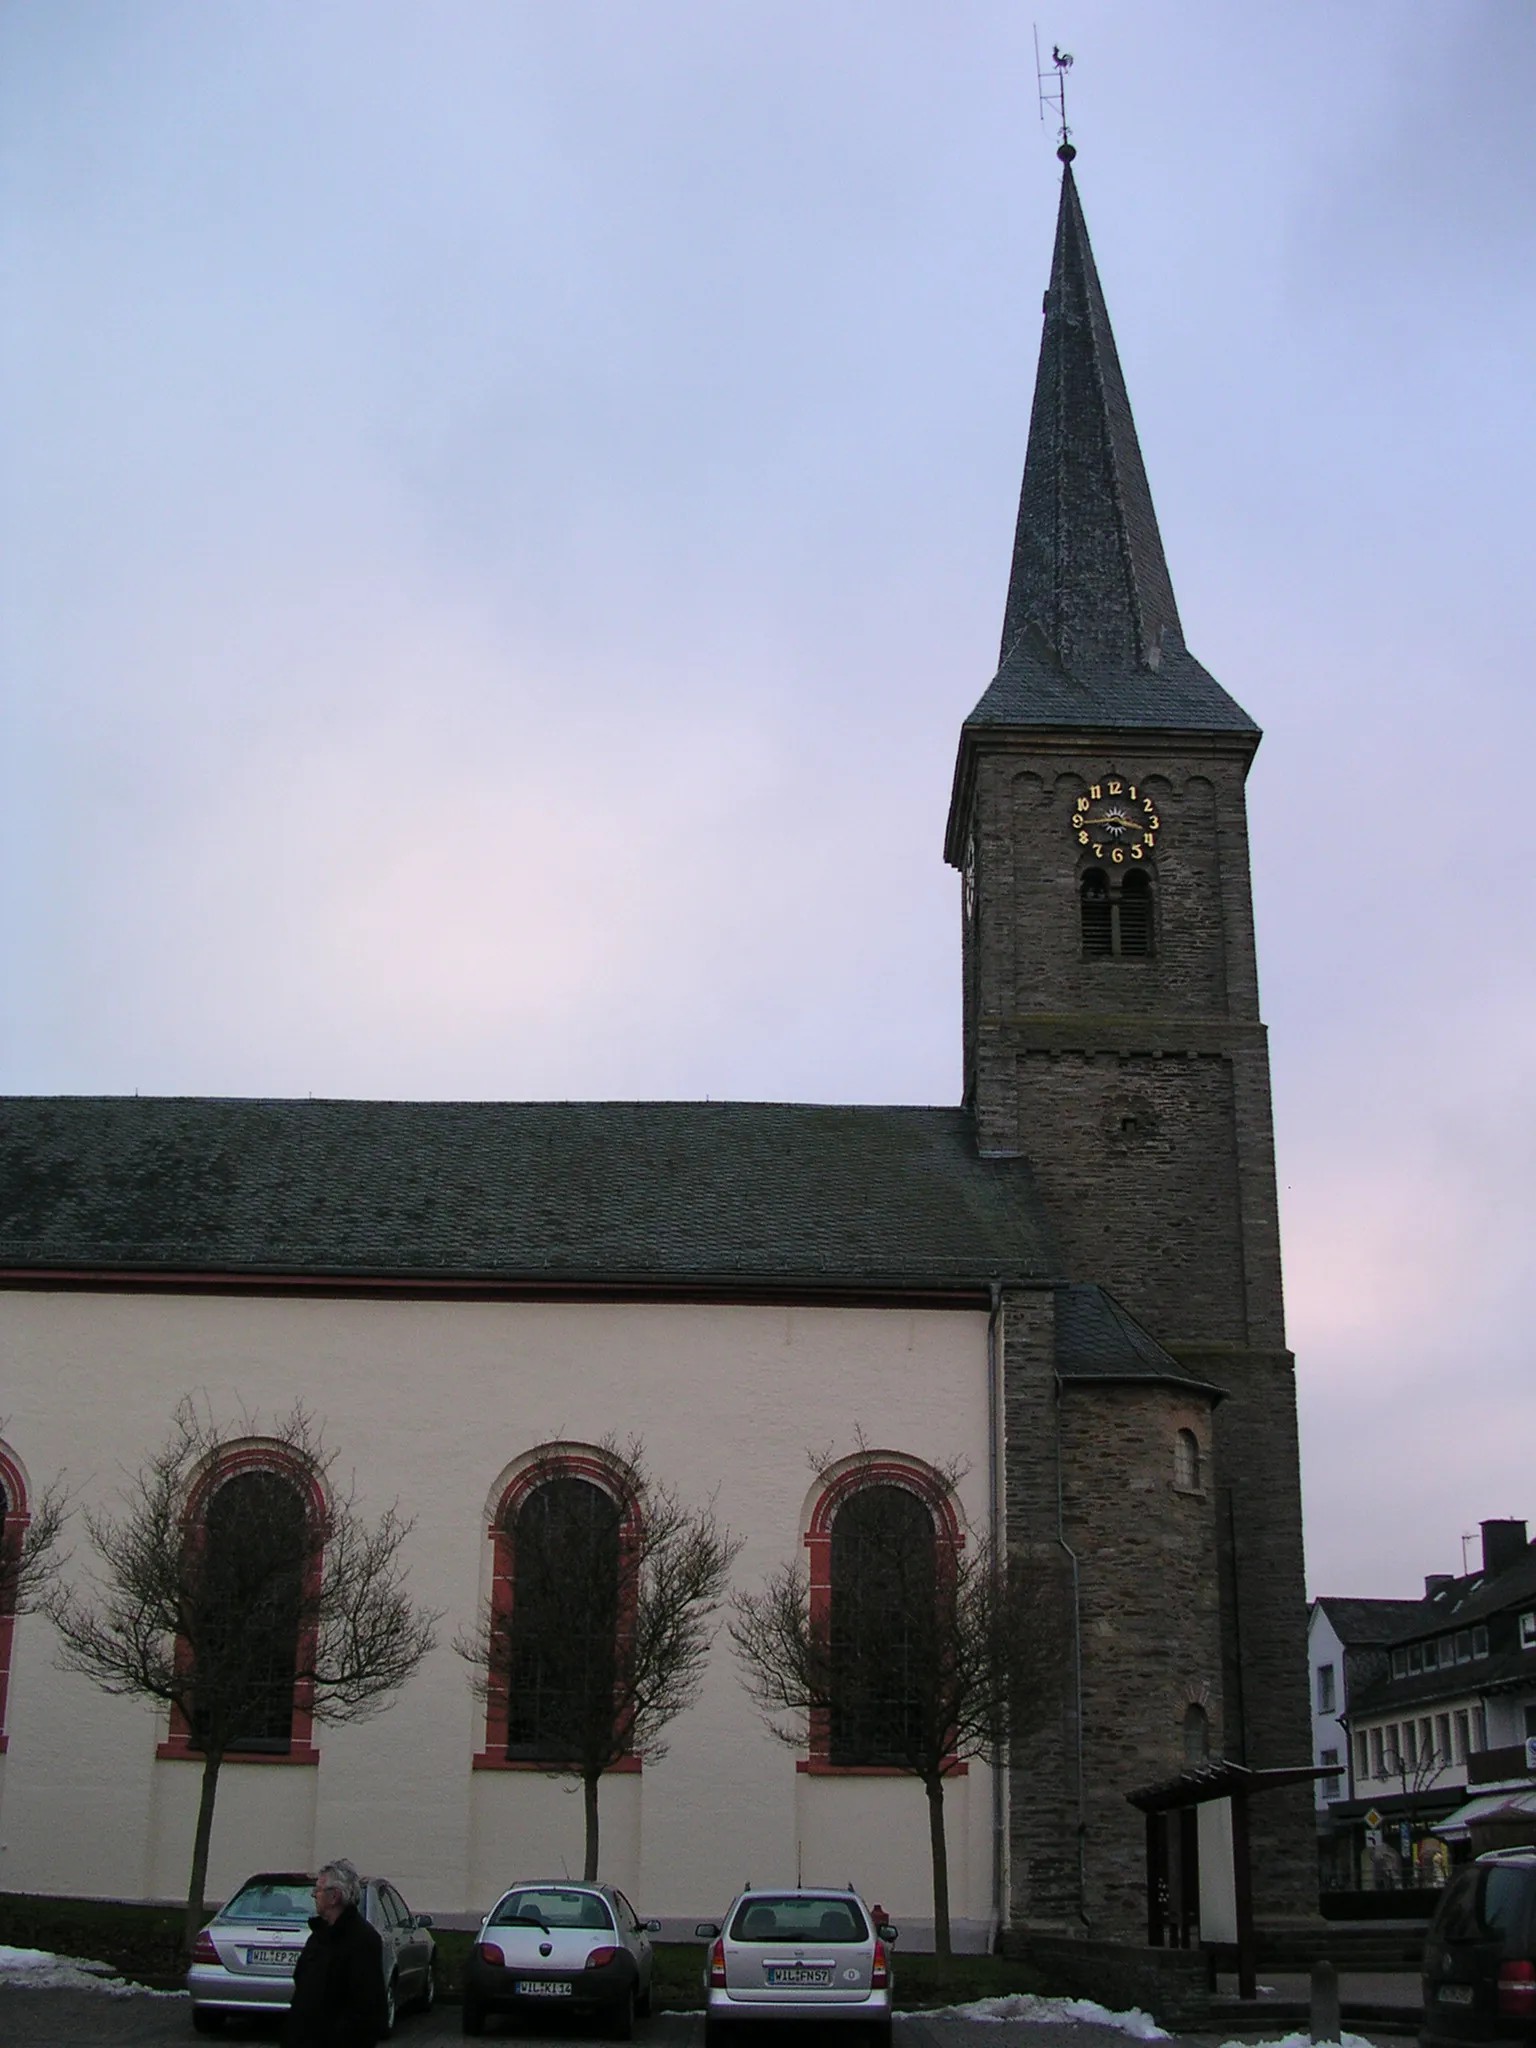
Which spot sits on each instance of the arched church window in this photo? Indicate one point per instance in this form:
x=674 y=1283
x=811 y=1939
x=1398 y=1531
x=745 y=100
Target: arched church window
x=13 y=1527
x=1135 y=918
x=883 y=1624
x=253 y=1535
x=561 y=1633
x=1186 y=1461
x=1098 y=927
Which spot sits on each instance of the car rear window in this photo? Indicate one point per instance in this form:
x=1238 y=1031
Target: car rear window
x=555 y=1907
x=1489 y=1902
x=765 y=1918
x=272 y=1898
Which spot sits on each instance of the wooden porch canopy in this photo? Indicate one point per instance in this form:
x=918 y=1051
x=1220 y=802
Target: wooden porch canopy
x=1172 y=1922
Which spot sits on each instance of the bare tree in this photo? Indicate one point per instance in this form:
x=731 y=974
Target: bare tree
x=925 y=1657
x=604 y=1637
x=238 y=1578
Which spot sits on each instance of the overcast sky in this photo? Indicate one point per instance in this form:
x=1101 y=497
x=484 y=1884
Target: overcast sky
x=506 y=507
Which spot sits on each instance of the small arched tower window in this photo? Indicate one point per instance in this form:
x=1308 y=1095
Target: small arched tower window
x=1098 y=927
x=1186 y=1461
x=1197 y=1736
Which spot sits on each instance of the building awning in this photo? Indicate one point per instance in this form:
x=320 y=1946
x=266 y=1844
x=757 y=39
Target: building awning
x=1491 y=1806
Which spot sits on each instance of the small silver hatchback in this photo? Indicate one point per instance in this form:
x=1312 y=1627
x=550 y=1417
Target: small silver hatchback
x=806 y=1954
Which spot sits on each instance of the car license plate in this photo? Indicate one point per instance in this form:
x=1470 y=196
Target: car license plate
x=544 y=1987
x=790 y=1974
x=1455 y=1994
x=282 y=1958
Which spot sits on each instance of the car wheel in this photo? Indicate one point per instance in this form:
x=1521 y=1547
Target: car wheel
x=621 y=2021
x=472 y=2018
x=391 y=2004
x=428 y=1996
x=643 y=2001
x=206 y=2019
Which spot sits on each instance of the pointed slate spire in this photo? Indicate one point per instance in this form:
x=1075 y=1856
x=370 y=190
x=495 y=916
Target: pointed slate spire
x=1091 y=633
x=1088 y=566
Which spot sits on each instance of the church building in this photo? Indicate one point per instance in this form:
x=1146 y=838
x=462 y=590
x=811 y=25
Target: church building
x=1050 y=1314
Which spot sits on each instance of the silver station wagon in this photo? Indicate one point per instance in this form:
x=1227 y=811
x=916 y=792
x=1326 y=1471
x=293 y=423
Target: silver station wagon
x=244 y=1958
x=798 y=1955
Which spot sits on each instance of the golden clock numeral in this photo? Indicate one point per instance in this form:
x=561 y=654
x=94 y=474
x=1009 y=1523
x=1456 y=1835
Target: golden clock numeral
x=1082 y=838
x=1131 y=792
x=1117 y=853
x=1115 y=788
x=1096 y=789
x=1149 y=839
x=1098 y=851
x=1135 y=853
x=1153 y=822
x=1146 y=802
x=1077 y=819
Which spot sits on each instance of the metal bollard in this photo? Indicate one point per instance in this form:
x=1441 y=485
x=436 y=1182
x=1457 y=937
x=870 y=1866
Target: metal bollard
x=1325 y=2001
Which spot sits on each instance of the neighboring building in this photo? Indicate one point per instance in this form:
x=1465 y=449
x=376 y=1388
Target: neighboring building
x=1440 y=1697
x=1054 y=1311
x=1347 y=1650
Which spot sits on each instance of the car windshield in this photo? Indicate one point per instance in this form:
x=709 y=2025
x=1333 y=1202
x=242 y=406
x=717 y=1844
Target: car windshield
x=796 y=1919
x=272 y=1898
x=552 y=1906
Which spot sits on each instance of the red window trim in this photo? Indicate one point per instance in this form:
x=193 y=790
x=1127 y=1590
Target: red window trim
x=13 y=1528
x=256 y=1456
x=874 y=1468
x=550 y=1461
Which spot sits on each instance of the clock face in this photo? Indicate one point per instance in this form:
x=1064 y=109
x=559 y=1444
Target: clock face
x=1116 y=821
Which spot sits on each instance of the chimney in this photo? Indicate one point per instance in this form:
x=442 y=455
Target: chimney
x=1436 y=1582
x=1503 y=1544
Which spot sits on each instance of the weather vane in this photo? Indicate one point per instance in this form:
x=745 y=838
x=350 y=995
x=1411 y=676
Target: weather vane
x=1053 y=93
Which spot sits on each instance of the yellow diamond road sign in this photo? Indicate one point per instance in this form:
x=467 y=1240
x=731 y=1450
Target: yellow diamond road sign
x=1373 y=1819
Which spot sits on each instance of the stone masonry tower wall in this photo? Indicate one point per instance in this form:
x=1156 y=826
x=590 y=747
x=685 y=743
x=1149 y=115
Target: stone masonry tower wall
x=1127 y=1060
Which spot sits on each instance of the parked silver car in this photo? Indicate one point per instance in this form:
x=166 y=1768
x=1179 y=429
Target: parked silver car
x=561 y=1945
x=805 y=1954
x=244 y=1958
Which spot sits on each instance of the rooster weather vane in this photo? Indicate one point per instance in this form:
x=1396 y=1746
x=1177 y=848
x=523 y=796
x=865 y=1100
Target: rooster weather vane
x=1053 y=93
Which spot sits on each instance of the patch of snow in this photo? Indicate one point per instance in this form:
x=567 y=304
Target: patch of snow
x=1024 y=2005
x=1299 y=2041
x=38 y=1969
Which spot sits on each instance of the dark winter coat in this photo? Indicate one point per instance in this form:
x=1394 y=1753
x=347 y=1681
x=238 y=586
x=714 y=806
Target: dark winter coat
x=338 y=1986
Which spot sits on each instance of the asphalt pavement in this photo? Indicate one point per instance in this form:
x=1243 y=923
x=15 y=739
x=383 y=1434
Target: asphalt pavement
x=94 y=2019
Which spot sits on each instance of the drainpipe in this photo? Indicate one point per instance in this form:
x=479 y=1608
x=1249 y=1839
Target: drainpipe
x=1077 y=1680
x=999 y=1509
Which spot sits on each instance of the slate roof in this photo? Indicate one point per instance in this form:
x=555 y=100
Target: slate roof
x=609 y=1193
x=1455 y=1604
x=1091 y=632
x=1357 y=1623
x=1097 y=1339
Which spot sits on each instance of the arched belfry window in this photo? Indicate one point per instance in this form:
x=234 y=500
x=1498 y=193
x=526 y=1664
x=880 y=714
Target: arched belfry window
x=1117 y=916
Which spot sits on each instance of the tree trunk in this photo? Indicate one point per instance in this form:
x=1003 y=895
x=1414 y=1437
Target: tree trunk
x=203 y=1835
x=934 y=1787
x=589 y=1785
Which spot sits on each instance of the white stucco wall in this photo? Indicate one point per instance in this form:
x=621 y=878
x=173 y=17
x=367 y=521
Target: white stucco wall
x=429 y=1403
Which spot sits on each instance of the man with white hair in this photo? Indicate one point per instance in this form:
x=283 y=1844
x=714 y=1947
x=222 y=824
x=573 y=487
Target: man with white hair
x=338 y=1982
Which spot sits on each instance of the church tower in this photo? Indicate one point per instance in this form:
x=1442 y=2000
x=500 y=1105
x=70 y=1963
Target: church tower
x=1111 y=1007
